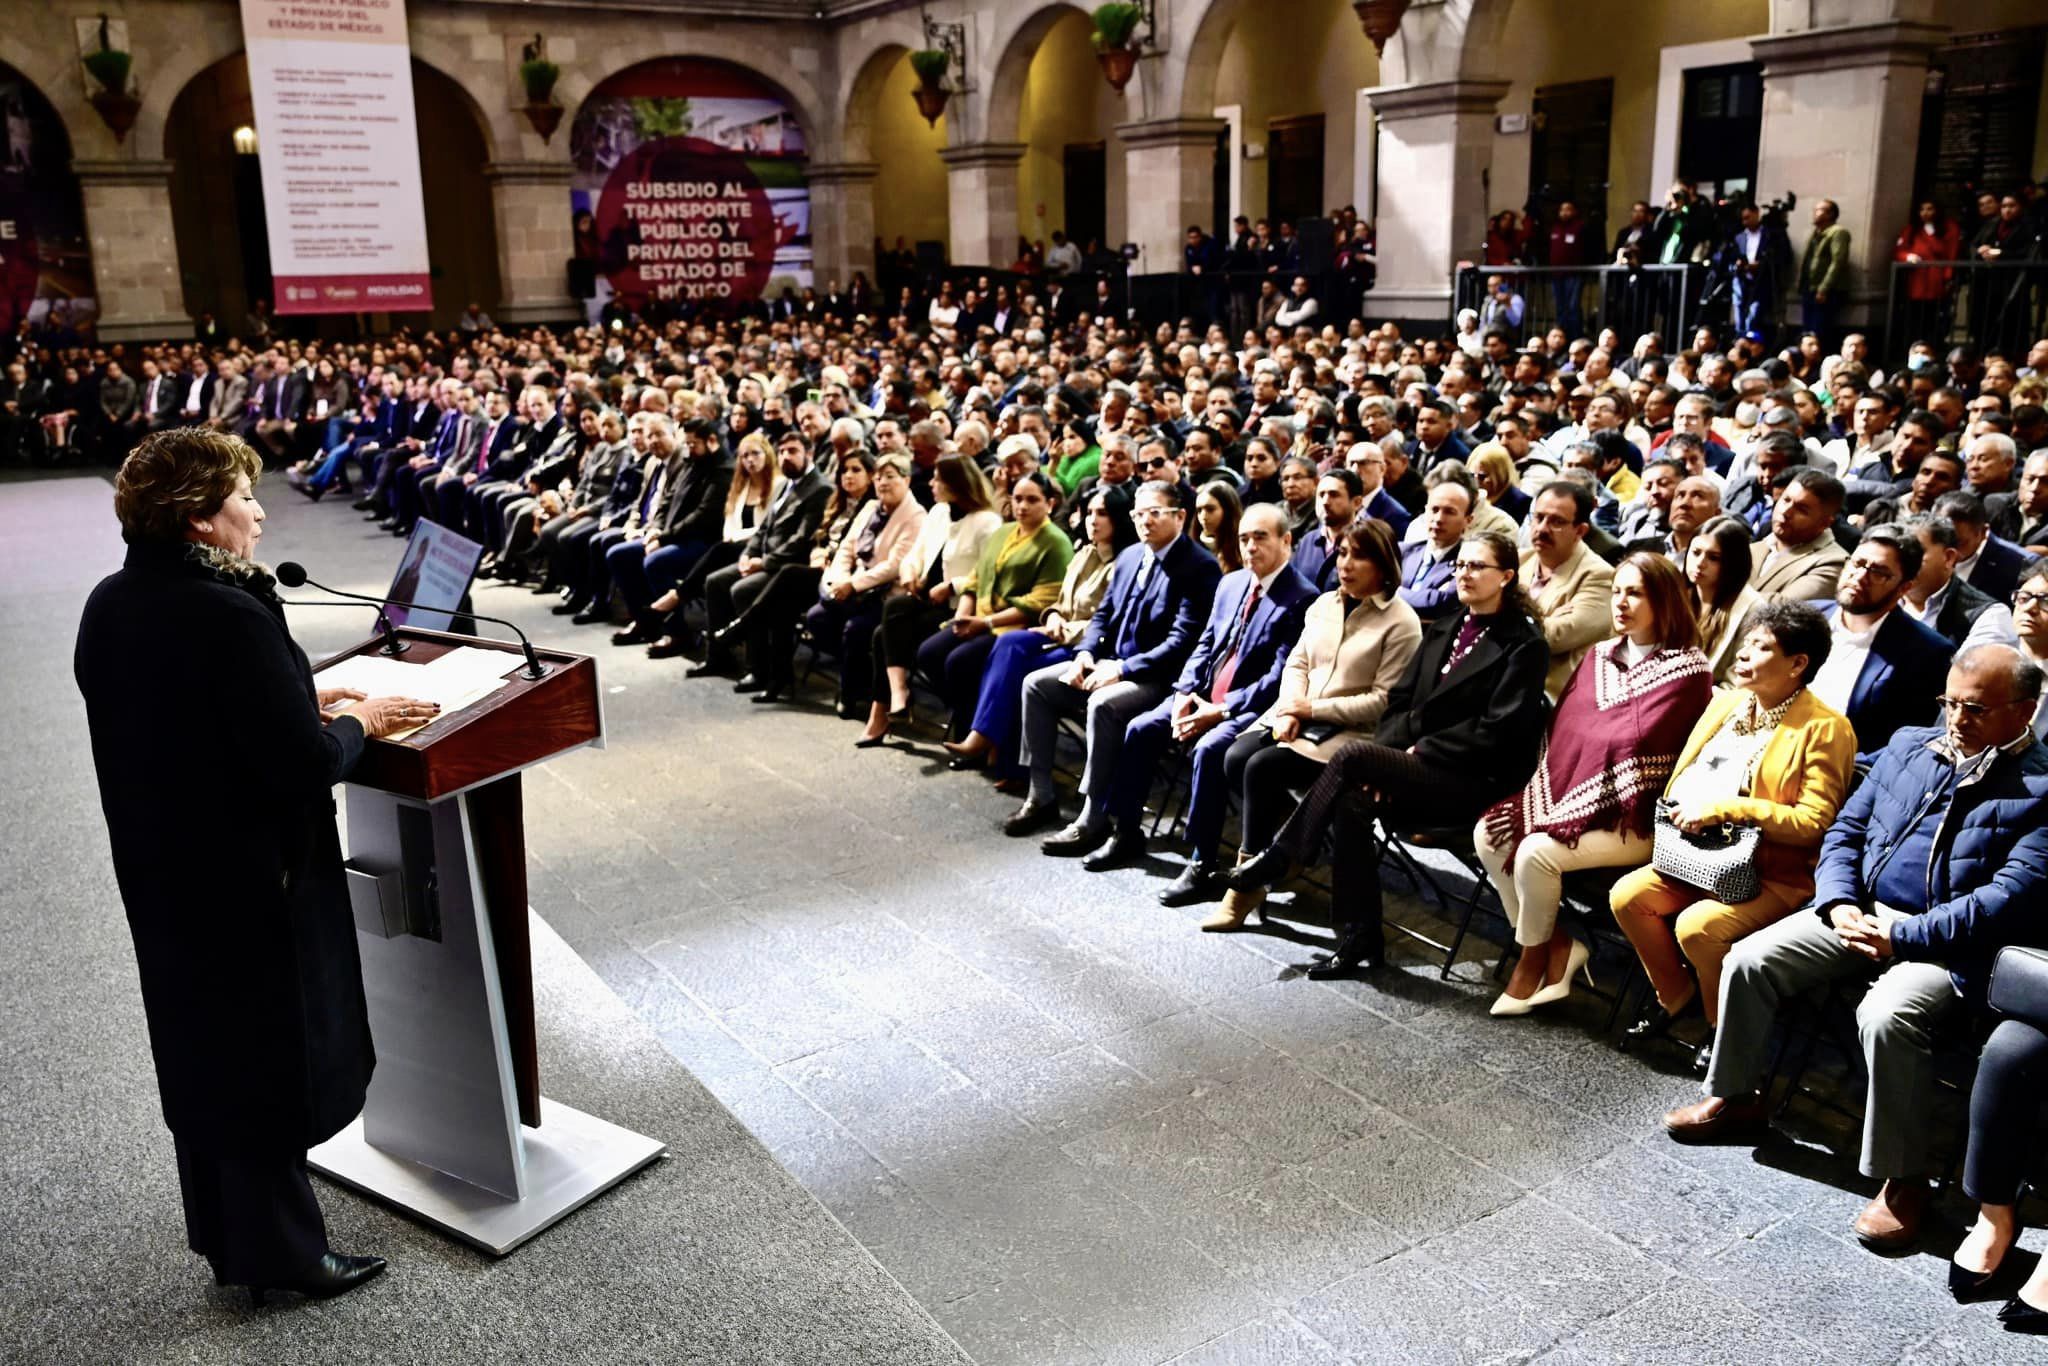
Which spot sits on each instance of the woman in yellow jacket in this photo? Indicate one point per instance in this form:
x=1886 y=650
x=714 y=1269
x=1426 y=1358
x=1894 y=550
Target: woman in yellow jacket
x=1767 y=753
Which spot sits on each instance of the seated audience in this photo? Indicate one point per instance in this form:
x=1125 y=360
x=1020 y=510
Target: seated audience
x=1717 y=573
x=1134 y=648
x=1338 y=498
x=1428 y=582
x=1985 y=561
x=1018 y=575
x=1938 y=598
x=857 y=581
x=1766 y=753
x=1801 y=561
x=755 y=483
x=1229 y=680
x=1618 y=727
x=781 y=540
x=1935 y=863
x=1460 y=731
x=1883 y=669
x=992 y=737
x=941 y=562
x=1354 y=647
x=1567 y=582
x=767 y=627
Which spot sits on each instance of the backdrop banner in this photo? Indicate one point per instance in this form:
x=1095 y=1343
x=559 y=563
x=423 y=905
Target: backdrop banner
x=689 y=186
x=332 y=85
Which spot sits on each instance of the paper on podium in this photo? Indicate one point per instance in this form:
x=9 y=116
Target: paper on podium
x=456 y=679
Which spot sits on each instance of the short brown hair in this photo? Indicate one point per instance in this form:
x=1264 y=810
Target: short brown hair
x=178 y=474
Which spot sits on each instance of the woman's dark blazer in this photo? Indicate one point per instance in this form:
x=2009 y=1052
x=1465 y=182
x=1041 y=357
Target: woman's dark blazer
x=215 y=772
x=1486 y=719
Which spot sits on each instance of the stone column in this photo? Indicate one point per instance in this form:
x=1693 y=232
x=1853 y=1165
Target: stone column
x=1169 y=182
x=134 y=249
x=842 y=220
x=1436 y=139
x=1841 y=121
x=536 y=238
x=981 y=201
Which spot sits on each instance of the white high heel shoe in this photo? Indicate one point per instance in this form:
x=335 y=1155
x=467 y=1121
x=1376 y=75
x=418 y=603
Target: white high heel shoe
x=1575 y=963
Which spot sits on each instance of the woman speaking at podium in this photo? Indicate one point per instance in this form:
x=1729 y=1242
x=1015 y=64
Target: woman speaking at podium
x=215 y=756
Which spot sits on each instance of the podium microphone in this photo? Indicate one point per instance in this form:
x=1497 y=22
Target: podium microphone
x=292 y=574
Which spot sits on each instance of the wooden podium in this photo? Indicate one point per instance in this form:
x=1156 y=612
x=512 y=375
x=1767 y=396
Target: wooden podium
x=455 y=1130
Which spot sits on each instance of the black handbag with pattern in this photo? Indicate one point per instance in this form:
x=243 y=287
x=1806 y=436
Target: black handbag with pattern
x=1720 y=860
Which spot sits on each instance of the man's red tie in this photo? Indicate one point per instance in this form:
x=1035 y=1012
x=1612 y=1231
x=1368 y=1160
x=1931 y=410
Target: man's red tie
x=1220 y=689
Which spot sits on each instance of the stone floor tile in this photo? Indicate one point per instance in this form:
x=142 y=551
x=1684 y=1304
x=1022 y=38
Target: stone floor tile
x=1081 y=1091
x=1859 y=1306
x=1407 y=1180
x=1171 y=1159
x=1671 y=1213
x=1287 y=1236
x=1275 y=1340
x=1105 y=999
x=1536 y=1251
x=1416 y=1311
x=1007 y=1325
x=1517 y=1133
x=1683 y=1324
x=1399 y=1068
x=1289 y=1112
x=1191 y=1051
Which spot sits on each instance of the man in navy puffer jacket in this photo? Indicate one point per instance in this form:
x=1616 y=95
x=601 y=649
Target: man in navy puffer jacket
x=1937 y=861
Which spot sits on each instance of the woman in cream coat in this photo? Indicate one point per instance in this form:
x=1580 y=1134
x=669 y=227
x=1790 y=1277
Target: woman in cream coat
x=850 y=595
x=1354 y=645
x=939 y=567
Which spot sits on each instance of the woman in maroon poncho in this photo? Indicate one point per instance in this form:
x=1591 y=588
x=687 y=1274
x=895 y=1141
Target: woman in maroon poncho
x=1619 y=725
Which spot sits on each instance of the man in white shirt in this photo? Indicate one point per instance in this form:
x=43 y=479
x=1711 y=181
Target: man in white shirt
x=1062 y=257
x=1939 y=598
x=197 y=393
x=1884 y=668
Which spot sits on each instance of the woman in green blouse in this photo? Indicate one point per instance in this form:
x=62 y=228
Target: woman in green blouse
x=1018 y=577
x=1051 y=641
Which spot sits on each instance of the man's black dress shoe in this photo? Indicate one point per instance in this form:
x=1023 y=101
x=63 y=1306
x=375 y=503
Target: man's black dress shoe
x=748 y=683
x=711 y=666
x=773 y=692
x=635 y=635
x=1124 y=847
x=1033 y=815
x=591 y=616
x=569 y=608
x=1075 y=840
x=364 y=505
x=1197 y=882
x=666 y=648
x=1356 y=953
x=334 y=1274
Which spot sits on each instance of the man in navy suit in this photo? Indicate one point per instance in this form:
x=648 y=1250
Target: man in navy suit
x=1429 y=566
x=1437 y=437
x=1159 y=595
x=1884 y=669
x=1339 y=495
x=1988 y=563
x=1227 y=683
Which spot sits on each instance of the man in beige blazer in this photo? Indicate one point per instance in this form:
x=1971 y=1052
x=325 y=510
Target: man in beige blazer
x=1801 y=561
x=1569 y=583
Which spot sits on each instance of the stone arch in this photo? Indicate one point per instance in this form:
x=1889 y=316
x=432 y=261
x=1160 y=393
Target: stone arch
x=1005 y=78
x=718 y=45
x=498 y=123
x=869 y=85
x=79 y=120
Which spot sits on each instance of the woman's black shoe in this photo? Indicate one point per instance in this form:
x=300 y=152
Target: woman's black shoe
x=2020 y=1317
x=590 y=616
x=1259 y=872
x=1968 y=1287
x=334 y=1274
x=960 y=763
x=1656 y=1021
x=666 y=648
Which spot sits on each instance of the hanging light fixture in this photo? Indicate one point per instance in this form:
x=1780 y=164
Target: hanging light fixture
x=1382 y=20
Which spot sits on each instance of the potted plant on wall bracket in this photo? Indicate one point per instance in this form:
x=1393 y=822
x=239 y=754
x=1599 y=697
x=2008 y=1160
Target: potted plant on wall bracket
x=930 y=64
x=1381 y=19
x=1114 y=26
x=109 y=66
x=539 y=75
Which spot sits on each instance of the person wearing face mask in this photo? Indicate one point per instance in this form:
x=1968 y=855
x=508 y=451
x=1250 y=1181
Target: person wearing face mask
x=225 y=848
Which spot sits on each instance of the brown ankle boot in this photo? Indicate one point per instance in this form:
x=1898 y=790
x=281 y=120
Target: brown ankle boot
x=1236 y=909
